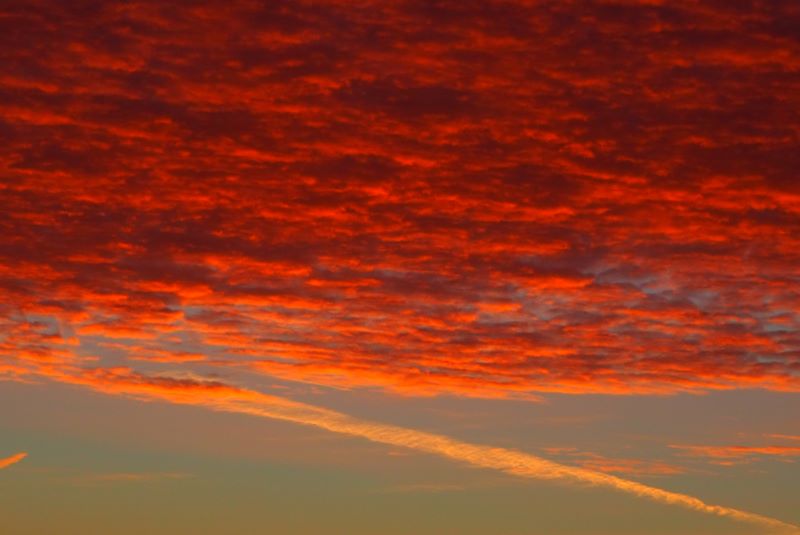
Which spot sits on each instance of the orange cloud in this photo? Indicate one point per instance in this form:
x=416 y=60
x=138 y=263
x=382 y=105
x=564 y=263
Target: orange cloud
x=730 y=455
x=8 y=461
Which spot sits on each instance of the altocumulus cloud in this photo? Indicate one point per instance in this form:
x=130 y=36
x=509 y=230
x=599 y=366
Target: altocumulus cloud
x=457 y=197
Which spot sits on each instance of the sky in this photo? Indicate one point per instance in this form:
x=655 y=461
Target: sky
x=404 y=266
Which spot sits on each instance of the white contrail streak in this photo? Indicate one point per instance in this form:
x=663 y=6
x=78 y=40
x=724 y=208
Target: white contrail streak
x=506 y=460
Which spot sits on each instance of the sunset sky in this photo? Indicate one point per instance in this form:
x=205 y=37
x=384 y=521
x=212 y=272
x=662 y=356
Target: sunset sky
x=412 y=267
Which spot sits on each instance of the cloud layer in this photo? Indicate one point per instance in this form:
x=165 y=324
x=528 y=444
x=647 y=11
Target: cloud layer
x=483 y=198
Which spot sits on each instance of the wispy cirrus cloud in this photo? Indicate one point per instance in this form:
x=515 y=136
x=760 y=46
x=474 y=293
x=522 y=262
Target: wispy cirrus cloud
x=732 y=455
x=614 y=465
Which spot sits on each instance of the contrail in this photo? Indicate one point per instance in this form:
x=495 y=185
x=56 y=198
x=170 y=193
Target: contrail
x=8 y=461
x=230 y=399
x=505 y=460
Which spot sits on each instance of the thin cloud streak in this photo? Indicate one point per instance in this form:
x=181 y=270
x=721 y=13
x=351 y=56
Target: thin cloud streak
x=506 y=460
x=225 y=397
x=14 y=459
x=733 y=455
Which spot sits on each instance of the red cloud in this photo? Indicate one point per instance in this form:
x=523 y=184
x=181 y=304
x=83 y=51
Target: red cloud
x=488 y=199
